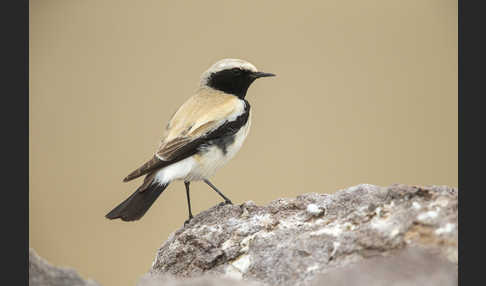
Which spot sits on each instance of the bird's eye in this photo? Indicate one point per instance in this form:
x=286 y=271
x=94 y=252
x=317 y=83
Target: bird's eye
x=236 y=71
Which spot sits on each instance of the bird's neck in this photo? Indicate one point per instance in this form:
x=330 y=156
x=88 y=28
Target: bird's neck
x=236 y=88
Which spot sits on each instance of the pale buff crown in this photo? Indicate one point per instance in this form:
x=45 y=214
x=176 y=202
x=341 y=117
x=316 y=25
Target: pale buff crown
x=225 y=64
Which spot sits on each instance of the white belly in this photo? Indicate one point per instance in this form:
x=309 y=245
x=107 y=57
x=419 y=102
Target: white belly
x=204 y=165
x=214 y=158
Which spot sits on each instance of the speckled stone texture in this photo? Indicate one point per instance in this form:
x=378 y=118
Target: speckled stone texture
x=41 y=273
x=295 y=241
x=206 y=280
x=408 y=267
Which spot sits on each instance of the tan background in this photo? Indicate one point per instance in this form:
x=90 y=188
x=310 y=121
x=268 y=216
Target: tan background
x=366 y=93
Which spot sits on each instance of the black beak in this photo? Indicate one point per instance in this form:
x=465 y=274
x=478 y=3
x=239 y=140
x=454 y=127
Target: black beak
x=261 y=74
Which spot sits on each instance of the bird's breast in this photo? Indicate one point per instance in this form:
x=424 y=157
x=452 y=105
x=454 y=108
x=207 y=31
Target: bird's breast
x=218 y=152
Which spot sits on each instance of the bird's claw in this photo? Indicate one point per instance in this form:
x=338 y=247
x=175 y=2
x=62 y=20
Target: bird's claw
x=227 y=202
x=188 y=221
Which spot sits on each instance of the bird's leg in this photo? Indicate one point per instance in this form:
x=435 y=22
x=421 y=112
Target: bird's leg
x=226 y=200
x=188 y=202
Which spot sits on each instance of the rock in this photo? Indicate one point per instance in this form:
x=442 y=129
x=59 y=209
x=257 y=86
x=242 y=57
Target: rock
x=410 y=267
x=296 y=241
x=168 y=280
x=41 y=273
x=364 y=235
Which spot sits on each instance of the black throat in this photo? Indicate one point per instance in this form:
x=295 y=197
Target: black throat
x=233 y=81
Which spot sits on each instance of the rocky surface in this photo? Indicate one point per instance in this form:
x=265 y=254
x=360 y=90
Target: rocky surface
x=410 y=267
x=41 y=273
x=298 y=241
x=168 y=280
x=364 y=235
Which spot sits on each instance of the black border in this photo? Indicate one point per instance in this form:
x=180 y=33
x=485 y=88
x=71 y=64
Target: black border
x=15 y=140
x=471 y=142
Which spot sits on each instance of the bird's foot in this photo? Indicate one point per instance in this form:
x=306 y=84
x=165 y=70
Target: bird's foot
x=227 y=202
x=188 y=220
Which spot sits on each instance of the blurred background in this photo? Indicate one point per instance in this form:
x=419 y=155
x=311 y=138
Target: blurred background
x=366 y=92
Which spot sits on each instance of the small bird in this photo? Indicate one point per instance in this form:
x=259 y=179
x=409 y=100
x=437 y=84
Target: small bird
x=202 y=136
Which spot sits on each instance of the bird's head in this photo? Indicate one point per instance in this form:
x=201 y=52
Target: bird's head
x=231 y=76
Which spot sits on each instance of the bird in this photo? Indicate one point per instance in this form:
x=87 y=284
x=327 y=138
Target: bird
x=206 y=131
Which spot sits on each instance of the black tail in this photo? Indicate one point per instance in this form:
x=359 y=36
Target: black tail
x=136 y=205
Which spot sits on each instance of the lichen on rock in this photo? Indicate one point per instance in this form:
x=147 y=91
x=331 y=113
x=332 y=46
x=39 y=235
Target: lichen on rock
x=291 y=241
